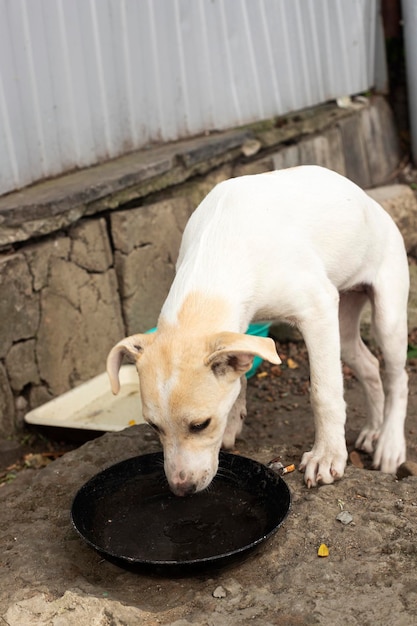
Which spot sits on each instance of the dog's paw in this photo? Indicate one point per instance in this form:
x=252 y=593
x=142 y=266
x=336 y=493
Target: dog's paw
x=323 y=467
x=390 y=452
x=367 y=440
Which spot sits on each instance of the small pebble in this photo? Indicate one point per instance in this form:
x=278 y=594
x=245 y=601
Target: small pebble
x=356 y=460
x=251 y=147
x=219 y=592
x=409 y=468
x=345 y=517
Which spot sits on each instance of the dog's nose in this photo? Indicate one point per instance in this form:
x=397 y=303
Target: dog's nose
x=185 y=490
x=183 y=487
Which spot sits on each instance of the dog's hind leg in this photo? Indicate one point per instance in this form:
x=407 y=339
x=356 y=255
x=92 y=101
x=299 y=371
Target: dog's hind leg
x=390 y=295
x=363 y=363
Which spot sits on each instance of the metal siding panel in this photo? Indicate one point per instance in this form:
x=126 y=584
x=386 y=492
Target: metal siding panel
x=87 y=80
x=267 y=68
x=163 y=79
x=284 y=62
x=73 y=106
x=409 y=8
x=201 y=41
x=42 y=87
x=141 y=75
x=61 y=97
x=94 y=36
x=18 y=92
x=222 y=41
x=242 y=63
x=9 y=103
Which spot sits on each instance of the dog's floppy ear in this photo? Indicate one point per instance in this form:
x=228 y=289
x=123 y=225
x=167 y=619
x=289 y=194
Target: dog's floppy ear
x=131 y=347
x=234 y=352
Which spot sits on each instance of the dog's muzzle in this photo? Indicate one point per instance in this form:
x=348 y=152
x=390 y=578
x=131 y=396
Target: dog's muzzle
x=183 y=484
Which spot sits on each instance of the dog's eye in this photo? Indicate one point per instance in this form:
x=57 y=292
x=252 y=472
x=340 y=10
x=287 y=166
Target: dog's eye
x=196 y=428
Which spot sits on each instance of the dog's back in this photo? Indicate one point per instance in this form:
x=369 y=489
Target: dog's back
x=300 y=220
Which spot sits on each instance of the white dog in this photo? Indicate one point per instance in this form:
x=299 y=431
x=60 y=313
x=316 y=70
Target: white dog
x=303 y=245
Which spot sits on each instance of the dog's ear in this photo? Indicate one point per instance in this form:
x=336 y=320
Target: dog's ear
x=131 y=347
x=234 y=352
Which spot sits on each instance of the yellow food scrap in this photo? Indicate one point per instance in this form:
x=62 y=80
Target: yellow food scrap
x=262 y=375
x=292 y=364
x=131 y=423
x=323 y=550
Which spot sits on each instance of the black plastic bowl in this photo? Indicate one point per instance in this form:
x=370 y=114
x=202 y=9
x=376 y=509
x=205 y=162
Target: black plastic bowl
x=129 y=515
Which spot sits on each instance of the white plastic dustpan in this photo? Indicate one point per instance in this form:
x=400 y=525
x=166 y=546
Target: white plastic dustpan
x=92 y=406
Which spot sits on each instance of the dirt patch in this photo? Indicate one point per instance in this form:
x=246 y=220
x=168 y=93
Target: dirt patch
x=30 y=450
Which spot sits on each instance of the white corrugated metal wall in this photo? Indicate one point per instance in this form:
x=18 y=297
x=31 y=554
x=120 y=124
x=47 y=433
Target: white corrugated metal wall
x=409 y=12
x=82 y=81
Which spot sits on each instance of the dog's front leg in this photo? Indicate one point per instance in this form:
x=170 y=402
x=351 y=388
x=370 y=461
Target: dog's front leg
x=236 y=417
x=327 y=460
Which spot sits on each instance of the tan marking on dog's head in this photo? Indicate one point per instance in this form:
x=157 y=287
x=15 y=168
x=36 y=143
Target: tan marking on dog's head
x=199 y=315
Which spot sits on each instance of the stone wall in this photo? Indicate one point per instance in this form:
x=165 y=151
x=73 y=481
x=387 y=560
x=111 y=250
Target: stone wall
x=89 y=258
